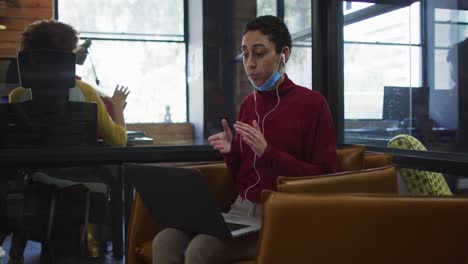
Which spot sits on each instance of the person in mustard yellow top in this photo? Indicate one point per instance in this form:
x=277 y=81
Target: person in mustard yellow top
x=58 y=36
x=113 y=133
x=54 y=35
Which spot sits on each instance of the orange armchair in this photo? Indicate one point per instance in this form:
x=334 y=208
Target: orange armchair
x=142 y=227
x=331 y=229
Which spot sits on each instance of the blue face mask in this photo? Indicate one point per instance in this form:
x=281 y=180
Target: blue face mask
x=273 y=79
x=268 y=84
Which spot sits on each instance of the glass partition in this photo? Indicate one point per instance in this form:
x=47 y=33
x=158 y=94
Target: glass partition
x=403 y=69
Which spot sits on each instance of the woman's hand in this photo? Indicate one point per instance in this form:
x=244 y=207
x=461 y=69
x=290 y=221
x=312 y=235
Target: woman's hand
x=120 y=96
x=253 y=136
x=118 y=103
x=223 y=140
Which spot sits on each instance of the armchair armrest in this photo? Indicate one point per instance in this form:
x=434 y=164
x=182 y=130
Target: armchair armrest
x=376 y=160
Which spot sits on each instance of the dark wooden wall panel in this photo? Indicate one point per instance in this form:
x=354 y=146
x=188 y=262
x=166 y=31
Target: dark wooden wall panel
x=19 y=14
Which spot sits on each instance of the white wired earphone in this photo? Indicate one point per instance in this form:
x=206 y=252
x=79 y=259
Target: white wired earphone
x=261 y=124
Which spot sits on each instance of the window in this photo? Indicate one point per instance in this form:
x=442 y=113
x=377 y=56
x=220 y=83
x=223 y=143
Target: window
x=266 y=7
x=297 y=17
x=137 y=43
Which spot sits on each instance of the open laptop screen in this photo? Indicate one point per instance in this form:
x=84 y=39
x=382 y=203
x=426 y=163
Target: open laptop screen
x=178 y=198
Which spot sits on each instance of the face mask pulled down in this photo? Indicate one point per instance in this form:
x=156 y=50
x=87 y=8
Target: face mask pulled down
x=275 y=77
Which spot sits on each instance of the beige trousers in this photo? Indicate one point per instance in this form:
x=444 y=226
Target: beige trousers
x=173 y=246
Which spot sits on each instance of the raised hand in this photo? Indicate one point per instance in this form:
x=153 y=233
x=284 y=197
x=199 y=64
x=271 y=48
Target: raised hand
x=252 y=135
x=120 y=96
x=118 y=103
x=222 y=141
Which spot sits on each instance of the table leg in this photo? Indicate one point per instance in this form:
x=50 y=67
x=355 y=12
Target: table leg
x=128 y=203
x=117 y=212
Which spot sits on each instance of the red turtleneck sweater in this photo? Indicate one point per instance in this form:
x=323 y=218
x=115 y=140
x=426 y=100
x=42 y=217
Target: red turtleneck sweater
x=299 y=133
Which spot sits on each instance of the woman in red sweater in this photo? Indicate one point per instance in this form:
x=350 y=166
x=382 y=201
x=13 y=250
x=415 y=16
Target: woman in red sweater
x=283 y=129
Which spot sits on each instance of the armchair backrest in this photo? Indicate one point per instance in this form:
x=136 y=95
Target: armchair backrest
x=355 y=157
x=376 y=160
x=49 y=119
x=378 y=180
x=47 y=72
x=331 y=229
x=350 y=158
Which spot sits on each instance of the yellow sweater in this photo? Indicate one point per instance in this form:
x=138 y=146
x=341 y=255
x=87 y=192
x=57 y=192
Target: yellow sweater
x=113 y=134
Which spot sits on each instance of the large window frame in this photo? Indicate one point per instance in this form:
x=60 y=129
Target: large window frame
x=143 y=38
x=414 y=47
x=326 y=27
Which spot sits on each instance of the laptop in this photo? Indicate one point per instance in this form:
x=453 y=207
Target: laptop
x=179 y=198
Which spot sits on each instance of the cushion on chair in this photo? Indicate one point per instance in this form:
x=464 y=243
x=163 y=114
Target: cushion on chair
x=376 y=160
x=378 y=180
x=350 y=158
x=418 y=181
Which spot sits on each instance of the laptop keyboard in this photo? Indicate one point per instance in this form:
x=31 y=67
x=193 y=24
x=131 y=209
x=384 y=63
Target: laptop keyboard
x=234 y=227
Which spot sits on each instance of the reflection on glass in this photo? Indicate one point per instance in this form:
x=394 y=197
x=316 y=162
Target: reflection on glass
x=449 y=34
x=266 y=7
x=156 y=79
x=385 y=93
x=449 y=75
x=382 y=73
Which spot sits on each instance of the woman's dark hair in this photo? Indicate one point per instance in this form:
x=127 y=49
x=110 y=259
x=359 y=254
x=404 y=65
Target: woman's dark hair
x=50 y=35
x=274 y=28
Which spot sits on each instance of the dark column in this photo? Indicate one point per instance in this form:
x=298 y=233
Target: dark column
x=327 y=57
x=218 y=61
